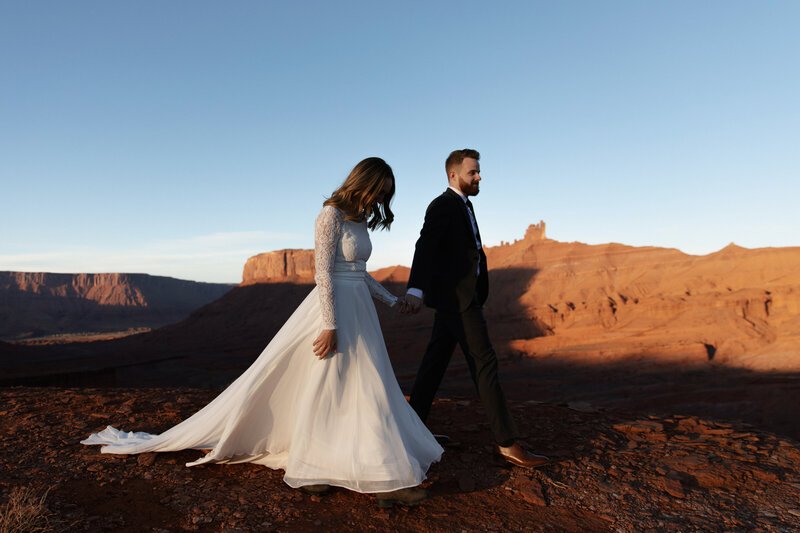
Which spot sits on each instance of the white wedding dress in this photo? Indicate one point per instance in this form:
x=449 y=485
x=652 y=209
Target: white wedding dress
x=342 y=420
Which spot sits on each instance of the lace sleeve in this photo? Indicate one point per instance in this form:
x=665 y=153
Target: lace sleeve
x=327 y=230
x=379 y=292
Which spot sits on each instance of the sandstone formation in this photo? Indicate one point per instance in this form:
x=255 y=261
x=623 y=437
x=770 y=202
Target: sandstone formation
x=282 y=265
x=736 y=306
x=393 y=274
x=40 y=303
x=297 y=266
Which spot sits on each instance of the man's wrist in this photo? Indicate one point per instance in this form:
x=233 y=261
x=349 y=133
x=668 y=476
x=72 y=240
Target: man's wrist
x=417 y=293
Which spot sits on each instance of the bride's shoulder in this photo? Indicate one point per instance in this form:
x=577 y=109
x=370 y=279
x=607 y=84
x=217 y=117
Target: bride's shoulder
x=329 y=210
x=329 y=214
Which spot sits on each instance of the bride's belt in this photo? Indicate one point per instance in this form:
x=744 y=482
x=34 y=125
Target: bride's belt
x=352 y=271
x=350 y=276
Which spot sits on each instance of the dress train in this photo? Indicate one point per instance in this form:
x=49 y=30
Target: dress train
x=342 y=420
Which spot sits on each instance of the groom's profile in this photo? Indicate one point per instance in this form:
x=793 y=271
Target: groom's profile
x=449 y=274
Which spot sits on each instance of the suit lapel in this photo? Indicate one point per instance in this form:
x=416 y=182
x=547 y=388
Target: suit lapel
x=462 y=207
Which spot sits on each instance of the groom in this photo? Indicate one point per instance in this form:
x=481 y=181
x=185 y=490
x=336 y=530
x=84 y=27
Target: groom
x=449 y=273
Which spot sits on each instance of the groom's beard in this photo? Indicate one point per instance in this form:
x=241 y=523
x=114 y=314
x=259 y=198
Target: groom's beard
x=471 y=189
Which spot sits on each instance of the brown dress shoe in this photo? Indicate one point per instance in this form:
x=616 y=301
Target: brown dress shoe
x=515 y=455
x=406 y=497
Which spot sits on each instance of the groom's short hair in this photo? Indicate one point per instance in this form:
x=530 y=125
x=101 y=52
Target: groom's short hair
x=457 y=156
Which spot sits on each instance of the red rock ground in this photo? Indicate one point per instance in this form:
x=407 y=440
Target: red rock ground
x=613 y=471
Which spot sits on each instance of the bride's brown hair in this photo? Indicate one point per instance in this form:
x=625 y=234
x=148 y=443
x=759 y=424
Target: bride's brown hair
x=356 y=196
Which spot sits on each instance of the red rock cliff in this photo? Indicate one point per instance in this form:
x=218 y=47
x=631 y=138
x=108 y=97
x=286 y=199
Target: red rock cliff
x=40 y=303
x=281 y=265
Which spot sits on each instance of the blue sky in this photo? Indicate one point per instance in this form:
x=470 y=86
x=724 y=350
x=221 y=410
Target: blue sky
x=180 y=138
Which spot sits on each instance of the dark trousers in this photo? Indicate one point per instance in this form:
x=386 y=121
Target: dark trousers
x=467 y=329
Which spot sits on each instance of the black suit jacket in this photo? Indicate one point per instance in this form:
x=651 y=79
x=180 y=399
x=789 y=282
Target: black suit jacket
x=446 y=258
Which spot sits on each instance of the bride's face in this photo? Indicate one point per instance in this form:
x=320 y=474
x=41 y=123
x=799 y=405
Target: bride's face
x=385 y=190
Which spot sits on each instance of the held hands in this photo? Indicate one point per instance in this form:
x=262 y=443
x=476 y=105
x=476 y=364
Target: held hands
x=401 y=306
x=413 y=304
x=408 y=304
x=325 y=343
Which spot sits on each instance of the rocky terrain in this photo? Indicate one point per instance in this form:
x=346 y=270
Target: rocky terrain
x=738 y=306
x=280 y=266
x=664 y=385
x=35 y=304
x=613 y=471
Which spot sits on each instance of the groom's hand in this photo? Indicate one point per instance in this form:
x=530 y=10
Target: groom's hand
x=325 y=343
x=401 y=306
x=414 y=303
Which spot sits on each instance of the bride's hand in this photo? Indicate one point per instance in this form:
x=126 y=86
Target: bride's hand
x=325 y=343
x=401 y=306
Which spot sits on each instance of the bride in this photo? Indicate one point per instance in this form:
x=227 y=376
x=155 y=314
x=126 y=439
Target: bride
x=321 y=402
